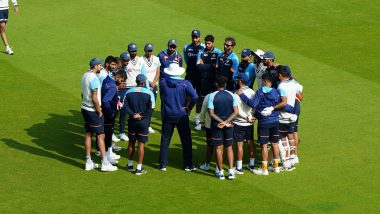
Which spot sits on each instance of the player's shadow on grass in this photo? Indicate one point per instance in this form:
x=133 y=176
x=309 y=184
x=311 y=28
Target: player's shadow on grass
x=59 y=137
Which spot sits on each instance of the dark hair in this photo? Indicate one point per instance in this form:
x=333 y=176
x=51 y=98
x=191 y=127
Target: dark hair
x=231 y=39
x=110 y=59
x=221 y=81
x=118 y=59
x=122 y=74
x=284 y=71
x=209 y=38
x=267 y=77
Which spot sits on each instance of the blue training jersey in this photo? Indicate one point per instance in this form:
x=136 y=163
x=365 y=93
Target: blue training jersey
x=249 y=70
x=166 y=60
x=222 y=102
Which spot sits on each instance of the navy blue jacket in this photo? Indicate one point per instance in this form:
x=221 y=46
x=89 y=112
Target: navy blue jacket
x=264 y=97
x=174 y=92
x=109 y=97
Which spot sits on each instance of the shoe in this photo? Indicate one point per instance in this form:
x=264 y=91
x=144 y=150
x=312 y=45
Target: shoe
x=286 y=164
x=124 y=137
x=220 y=175
x=250 y=167
x=198 y=127
x=9 y=51
x=130 y=168
x=97 y=153
x=108 y=168
x=110 y=156
x=190 y=168
x=260 y=172
x=239 y=171
x=151 y=130
x=141 y=171
x=289 y=169
x=296 y=160
x=277 y=170
x=162 y=168
x=115 y=139
x=116 y=148
x=114 y=155
x=90 y=165
x=231 y=175
x=205 y=167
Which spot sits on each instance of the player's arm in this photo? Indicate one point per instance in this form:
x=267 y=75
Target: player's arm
x=106 y=101
x=185 y=54
x=148 y=108
x=233 y=115
x=127 y=106
x=193 y=95
x=214 y=116
x=95 y=101
x=157 y=77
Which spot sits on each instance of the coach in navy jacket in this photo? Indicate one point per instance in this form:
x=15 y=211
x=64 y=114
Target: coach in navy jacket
x=178 y=97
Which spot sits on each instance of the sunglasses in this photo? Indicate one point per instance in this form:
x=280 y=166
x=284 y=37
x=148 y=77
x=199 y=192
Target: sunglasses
x=173 y=46
x=227 y=45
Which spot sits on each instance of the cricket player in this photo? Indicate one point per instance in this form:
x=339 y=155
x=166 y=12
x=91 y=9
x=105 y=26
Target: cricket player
x=227 y=63
x=260 y=68
x=272 y=67
x=139 y=102
x=169 y=56
x=4 y=11
x=246 y=67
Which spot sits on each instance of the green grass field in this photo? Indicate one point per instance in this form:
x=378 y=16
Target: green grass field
x=331 y=46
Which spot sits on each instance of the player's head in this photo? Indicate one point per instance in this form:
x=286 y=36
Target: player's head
x=221 y=82
x=132 y=50
x=268 y=58
x=195 y=37
x=284 y=73
x=258 y=56
x=209 y=41
x=246 y=55
x=110 y=63
x=229 y=44
x=120 y=77
x=96 y=64
x=119 y=63
x=241 y=80
x=267 y=79
x=148 y=49
x=141 y=80
x=125 y=57
x=172 y=46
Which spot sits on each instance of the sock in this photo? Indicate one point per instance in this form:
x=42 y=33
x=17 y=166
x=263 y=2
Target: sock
x=130 y=163
x=88 y=159
x=264 y=165
x=275 y=163
x=139 y=166
x=252 y=161
x=8 y=47
x=239 y=164
x=105 y=160
x=216 y=170
x=231 y=170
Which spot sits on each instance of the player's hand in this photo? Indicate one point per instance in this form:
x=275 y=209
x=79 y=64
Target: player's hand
x=137 y=116
x=229 y=125
x=238 y=92
x=267 y=111
x=222 y=124
x=16 y=9
x=100 y=114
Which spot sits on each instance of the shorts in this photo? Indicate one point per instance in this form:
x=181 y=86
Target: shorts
x=208 y=137
x=222 y=136
x=138 y=130
x=268 y=134
x=285 y=129
x=4 y=15
x=92 y=122
x=243 y=133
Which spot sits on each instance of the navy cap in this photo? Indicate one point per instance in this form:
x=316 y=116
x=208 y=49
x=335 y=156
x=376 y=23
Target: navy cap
x=172 y=42
x=268 y=55
x=132 y=47
x=95 y=61
x=242 y=77
x=246 y=52
x=148 y=47
x=196 y=33
x=140 y=78
x=125 y=56
x=287 y=70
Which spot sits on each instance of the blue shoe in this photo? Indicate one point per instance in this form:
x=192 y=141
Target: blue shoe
x=130 y=168
x=239 y=171
x=251 y=167
x=141 y=171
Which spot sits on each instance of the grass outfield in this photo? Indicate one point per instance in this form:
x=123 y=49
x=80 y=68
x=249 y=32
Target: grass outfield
x=331 y=48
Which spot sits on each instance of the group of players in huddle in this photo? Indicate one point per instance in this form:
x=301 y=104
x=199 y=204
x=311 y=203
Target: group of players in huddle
x=216 y=83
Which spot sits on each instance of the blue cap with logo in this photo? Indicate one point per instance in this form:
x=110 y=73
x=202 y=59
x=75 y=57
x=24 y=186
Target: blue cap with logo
x=246 y=52
x=148 y=47
x=140 y=78
x=242 y=77
x=132 y=47
x=125 y=56
x=196 y=33
x=95 y=61
x=172 y=42
x=268 y=55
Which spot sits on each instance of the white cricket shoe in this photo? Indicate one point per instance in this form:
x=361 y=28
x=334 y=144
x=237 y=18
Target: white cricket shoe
x=123 y=137
x=198 y=127
x=260 y=172
x=90 y=166
x=110 y=159
x=116 y=148
x=277 y=170
x=205 y=167
x=108 y=167
x=151 y=130
x=115 y=139
x=9 y=51
x=296 y=160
